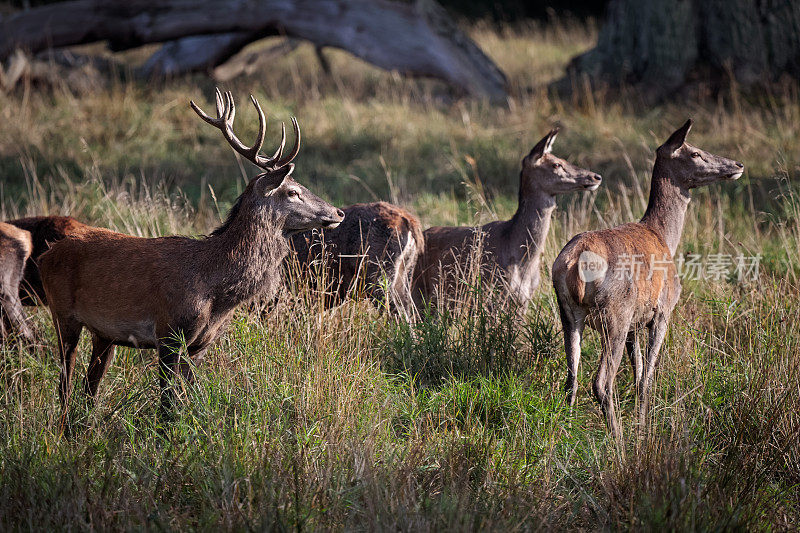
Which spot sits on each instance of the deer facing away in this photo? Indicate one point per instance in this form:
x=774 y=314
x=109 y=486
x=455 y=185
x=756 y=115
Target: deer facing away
x=512 y=248
x=375 y=249
x=15 y=249
x=171 y=291
x=623 y=279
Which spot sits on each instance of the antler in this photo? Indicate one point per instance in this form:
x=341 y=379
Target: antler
x=226 y=111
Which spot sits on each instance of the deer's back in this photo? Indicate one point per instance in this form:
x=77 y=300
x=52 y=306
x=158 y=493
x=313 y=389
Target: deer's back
x=627 y=266
x=44 y=232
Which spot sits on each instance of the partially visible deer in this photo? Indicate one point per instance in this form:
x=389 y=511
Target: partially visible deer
x=512 y=248
x=621 y=280
x=173 y=292
x=44 y=231
x=15 y=249
x=375 y=248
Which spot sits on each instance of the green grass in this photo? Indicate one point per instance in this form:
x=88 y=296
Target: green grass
x=310 y=419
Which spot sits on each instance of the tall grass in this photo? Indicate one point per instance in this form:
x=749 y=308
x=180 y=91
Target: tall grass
x=308 y=418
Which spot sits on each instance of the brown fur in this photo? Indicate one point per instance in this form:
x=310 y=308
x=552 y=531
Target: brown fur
x=626 y=298
x=375 y=246
x=15 y=249
x=44 y=232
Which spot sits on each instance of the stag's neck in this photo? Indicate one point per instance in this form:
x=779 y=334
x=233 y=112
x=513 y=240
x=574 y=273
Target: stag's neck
x=666 y=209
x=528 y=231
x=244 y=259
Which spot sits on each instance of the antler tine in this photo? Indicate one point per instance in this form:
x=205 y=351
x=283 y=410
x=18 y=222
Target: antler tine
x=226 y=112
x=295 y=150
x=279 y=152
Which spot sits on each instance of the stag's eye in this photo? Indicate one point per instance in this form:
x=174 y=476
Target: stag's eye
x=695 y=154
x=557 y=166
x=293 y=193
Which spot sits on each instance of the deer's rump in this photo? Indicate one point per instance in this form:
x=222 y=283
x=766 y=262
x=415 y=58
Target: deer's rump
x=630 y=262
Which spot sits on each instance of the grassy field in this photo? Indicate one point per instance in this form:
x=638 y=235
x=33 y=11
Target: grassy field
x=306 y=419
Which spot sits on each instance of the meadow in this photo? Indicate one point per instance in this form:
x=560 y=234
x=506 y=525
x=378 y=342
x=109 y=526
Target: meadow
x=303 y=418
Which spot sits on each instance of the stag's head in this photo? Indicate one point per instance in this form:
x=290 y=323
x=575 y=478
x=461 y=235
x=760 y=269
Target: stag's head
x=689 y=166
x=274 y=193
x=544 y=172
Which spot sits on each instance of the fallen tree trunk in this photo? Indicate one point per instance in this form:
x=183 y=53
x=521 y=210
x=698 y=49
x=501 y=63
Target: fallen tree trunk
x=417 y=39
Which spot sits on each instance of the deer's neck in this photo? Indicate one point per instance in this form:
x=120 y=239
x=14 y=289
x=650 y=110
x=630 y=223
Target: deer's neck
x=524 y=240
x=666 y=209
x=243 y=259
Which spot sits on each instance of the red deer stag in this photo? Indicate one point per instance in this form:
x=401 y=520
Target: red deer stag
x=622 y=279
x=15 y=249
x=169 y=292
x=374 y=248
x=512 y=248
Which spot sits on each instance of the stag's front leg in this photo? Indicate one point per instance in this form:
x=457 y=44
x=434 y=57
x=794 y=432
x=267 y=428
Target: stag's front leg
x=172 y=364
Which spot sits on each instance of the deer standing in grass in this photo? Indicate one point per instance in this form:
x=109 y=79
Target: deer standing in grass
x=512 y=248
x=621 y=280
x=374 y=249
x=15 y=249
x=173 y=292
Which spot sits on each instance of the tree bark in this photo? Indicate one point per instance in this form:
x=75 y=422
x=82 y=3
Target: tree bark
x=659 y=43
x=417 y=39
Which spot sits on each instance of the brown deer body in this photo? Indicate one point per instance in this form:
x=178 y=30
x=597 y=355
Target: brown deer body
x=512 y=249
x=620 y=280
x=15 y=249
x=375 y=248
x=170 y=292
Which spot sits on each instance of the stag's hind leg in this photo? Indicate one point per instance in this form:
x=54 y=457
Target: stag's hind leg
x=635 y=355
x=68 y=333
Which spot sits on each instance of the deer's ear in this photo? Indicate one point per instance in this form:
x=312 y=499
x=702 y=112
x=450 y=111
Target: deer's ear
x=545 y=146
x=677 y=139
x=269 y=181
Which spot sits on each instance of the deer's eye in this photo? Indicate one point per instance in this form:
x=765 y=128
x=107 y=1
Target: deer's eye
x=293 y=194
x=695 y=154
x=557 y=166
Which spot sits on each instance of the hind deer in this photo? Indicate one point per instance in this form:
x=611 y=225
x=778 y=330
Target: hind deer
x=512 y=248
x=15 y=249
x=170 y=292
x=375 y=248
x=620 y=280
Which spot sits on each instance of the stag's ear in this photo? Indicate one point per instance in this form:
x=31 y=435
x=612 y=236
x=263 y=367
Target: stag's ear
x=677 y=139
x=545 y=146
x=269 y=181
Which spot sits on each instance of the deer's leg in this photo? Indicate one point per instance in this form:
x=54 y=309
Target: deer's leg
x=14 y=314
x=656 y=334
x=171 y=364
x=572 y=321
x=635 y=355
x=68 y=332
x=102 y=355
x=614 y=334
